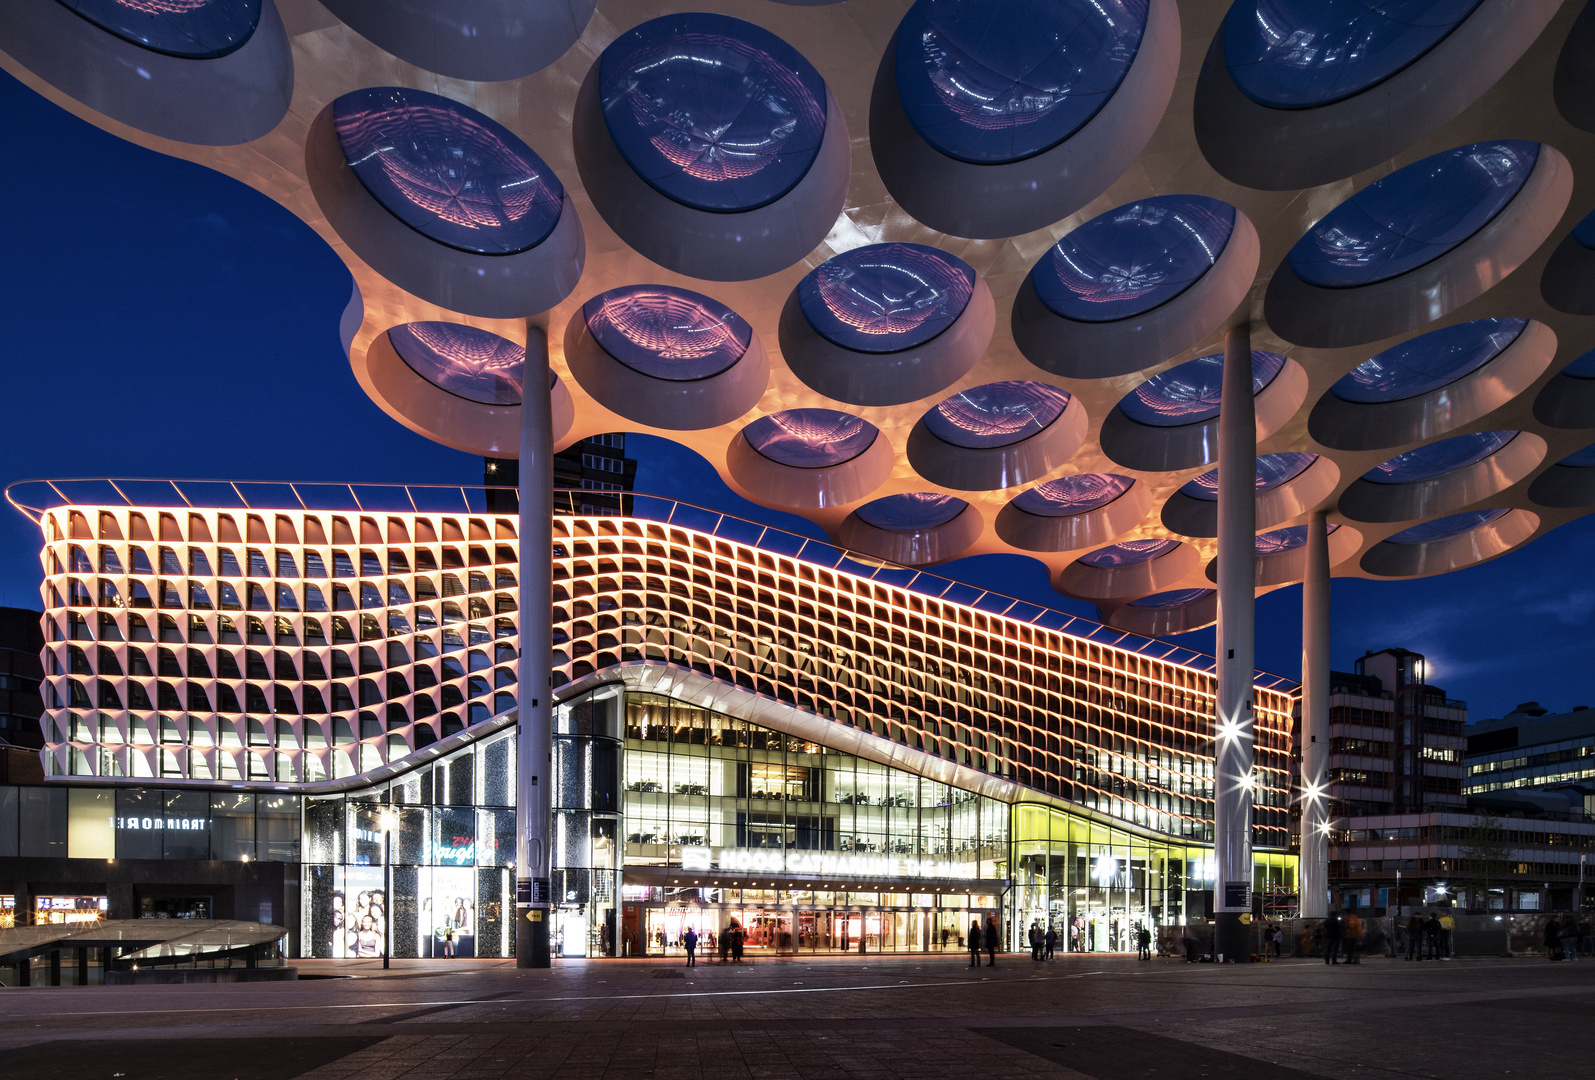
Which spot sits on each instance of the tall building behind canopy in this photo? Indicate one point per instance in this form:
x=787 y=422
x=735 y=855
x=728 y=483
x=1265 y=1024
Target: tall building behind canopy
x=740 y=703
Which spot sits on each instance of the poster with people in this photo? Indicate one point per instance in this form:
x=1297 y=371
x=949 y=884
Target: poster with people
x=448 y=914
x=360 y=915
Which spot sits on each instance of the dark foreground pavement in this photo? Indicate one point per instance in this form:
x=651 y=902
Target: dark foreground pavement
x=848 y=1019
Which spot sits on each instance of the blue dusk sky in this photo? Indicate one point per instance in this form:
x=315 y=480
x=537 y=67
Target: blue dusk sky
x=162 y=320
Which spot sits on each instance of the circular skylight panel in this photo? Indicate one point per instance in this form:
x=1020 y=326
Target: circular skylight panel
x=1173 y=598
x=1300 y=54
x=1580 y=459
x=1070 y=495
x=667 y=333
x=711 y=111
x=885 y=297
x=470 y=363
x=1279 y=541
x=810 y=438
x=911 y=512
x=447 y=171
x=191 y=29
x=992 y=83
x=1437 y=459
x=1273 y=470
x=996 y=414
x=1128 y=553
x=1133 y=258
x=1414 y=215
x=1192 y=392
x=1447 y=527
x=1428 y=362
x=1581 y=368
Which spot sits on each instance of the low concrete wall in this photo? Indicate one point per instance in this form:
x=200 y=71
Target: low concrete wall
x=170 y=975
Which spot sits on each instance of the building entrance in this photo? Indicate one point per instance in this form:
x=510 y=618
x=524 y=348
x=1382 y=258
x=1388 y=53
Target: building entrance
x=779 y=930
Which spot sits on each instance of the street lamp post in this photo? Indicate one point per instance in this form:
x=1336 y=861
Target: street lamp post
x=387 y=886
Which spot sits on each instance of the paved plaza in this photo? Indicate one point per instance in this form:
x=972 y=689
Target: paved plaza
x=1109 y=1018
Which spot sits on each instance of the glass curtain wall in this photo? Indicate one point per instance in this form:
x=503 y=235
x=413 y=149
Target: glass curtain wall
x=712 y=792
x=447 y=833
x=1097 y=886
x=586 y=847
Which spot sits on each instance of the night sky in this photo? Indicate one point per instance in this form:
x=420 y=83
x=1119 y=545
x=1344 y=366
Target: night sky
x=165 y=321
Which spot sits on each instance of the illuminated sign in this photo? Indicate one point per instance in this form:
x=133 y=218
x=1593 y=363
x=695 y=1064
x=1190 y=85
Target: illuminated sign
x=820 y=863
x=182 y=824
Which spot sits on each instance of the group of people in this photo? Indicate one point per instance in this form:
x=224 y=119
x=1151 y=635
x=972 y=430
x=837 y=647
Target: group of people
x=986 y=937
x=1042 y=942
x=731 y=943
x=1568 y=935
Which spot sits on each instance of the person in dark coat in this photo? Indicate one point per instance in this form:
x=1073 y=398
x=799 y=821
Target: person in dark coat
x=975 y=938
x=1553 y=938
x=1415 y=938
x=1332 y=938
x=1431 y=934
x=1049 y=942
x=1192 y=947
x=991 y=941
x=690 y=941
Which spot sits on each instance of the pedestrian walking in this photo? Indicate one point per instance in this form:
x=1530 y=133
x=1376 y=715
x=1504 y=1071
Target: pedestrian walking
x=1332 y=932
x=1570 y=939
x=1586 y=937
x=991 y=940
x=690 y=940
x=1553 y=938
x=1050 y=942
x=737 y=934
x=1415 y=938
x=975 y=936
x=1353 y=935
x=1143 y=941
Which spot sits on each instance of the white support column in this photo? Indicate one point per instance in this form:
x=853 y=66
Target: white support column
x=534 y=725
x=1315 y=722
x=1237 y=581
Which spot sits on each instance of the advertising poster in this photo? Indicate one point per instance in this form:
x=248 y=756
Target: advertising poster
x=448 y=914
x=359 y=914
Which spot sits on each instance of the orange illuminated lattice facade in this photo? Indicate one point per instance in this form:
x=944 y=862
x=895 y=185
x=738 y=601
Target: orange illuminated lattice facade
x=292 y=646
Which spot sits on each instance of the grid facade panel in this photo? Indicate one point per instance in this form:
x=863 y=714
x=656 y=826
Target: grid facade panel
x=207 y=645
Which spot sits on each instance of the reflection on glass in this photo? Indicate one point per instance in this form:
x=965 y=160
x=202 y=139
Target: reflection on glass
x=470 y=363
x=993 y=83
x=1414 y=215
x=1437 y=459
x=1272 y=471
x=1192 y=392
x=1129 y=553
x=885 y=297
x=192 y=29
x=914 y=511
x=1174 y=598
x=1133 y=258
x=1298 y=54
x=667 y=333
x=810 y=438
x=1447 y=527
x=1070 y=495
x=996 y=414
x=713 y=112
x=1429 y=361
x=447 y=171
